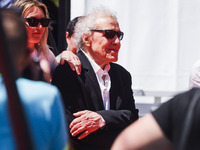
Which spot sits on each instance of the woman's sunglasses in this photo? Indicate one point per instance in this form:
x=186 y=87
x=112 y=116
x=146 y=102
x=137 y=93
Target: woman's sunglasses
x=33 y=22
x=110 y=34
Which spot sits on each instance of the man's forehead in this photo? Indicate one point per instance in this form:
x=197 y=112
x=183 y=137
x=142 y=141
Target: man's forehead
x=106 y=21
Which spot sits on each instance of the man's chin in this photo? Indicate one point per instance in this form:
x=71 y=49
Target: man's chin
x=114 y=59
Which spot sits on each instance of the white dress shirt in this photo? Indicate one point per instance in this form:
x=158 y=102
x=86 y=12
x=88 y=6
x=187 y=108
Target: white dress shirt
x=103 y=83
x=194 y=79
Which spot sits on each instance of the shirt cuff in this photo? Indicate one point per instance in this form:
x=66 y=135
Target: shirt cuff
x=103 y=122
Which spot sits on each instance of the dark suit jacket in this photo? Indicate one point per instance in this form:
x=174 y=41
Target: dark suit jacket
x=83 y=93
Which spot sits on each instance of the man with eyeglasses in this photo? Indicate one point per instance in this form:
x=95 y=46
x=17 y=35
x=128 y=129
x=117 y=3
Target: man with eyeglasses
x=99 y=103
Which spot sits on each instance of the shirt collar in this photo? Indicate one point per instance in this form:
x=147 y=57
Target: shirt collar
x=96 y=67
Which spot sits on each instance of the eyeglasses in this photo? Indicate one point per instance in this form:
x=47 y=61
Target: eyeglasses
x=110 y=34
x=33 y=22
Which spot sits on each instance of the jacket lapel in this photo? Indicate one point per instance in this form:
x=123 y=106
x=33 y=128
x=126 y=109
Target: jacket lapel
x=89 y=79
x=113 y=88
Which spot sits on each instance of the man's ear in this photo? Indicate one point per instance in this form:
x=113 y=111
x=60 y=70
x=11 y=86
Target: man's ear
x=86 y=39
x=67 y=35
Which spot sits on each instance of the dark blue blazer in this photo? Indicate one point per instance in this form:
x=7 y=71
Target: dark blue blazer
x=83 y=93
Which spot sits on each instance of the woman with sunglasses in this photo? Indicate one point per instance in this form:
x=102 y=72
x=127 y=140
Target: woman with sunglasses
x=37 y=20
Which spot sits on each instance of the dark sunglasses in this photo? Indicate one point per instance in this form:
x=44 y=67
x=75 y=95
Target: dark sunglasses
x=33 y=22
x=110 y=34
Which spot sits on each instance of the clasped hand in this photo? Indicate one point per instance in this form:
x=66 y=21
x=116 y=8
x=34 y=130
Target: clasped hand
x=86 y=123
x=72 y=60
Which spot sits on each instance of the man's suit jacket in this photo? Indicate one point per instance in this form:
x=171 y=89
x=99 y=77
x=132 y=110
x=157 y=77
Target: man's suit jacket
x=83 y=93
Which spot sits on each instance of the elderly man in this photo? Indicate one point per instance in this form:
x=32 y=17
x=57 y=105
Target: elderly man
x=99 y=103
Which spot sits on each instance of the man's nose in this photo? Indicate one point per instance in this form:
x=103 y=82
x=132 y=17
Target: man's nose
x=116 y=40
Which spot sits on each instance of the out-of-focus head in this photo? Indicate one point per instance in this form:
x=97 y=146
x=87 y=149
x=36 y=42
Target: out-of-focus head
x=36 y=20
x=15 y=33
x=99 y=35
x=70 y=34
x=71 y=26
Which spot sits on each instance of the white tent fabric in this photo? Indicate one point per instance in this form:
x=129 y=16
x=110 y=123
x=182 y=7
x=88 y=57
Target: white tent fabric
x=161 y=42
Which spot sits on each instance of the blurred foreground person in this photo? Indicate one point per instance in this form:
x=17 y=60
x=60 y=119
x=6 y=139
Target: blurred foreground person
x=6 y=3
x=99 y=103
x=41 y=101
x=174 y=125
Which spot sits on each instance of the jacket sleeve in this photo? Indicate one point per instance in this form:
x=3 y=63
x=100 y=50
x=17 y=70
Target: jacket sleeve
x=66 y=81
x=123 y=111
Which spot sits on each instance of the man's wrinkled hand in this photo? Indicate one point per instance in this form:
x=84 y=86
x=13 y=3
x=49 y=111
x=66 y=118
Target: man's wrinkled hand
x=72 y=60
x=86 y=123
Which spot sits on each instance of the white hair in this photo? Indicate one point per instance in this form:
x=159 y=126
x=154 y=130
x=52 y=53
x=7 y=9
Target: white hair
x=87 y=23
